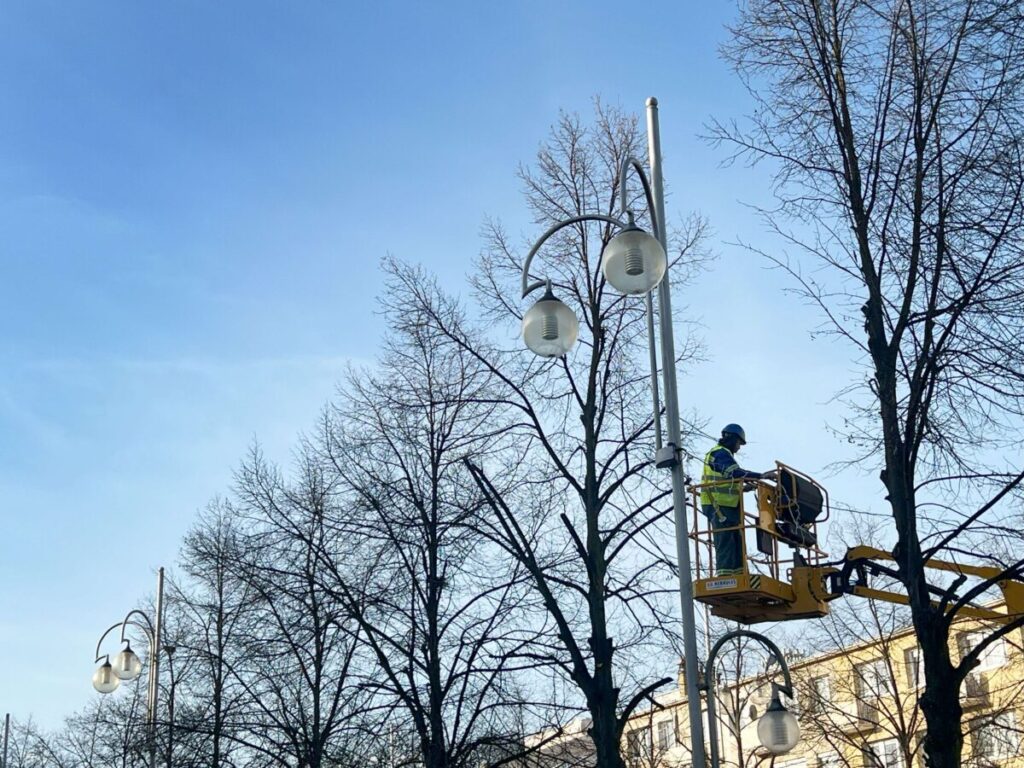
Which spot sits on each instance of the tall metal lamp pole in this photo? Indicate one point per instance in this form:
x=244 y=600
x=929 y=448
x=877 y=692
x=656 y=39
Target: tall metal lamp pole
x=635 y=263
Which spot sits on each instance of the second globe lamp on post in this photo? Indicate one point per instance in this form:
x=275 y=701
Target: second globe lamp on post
x=778 y=729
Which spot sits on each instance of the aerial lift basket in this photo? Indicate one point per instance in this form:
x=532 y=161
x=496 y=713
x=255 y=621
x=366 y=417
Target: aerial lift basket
x=784 y=577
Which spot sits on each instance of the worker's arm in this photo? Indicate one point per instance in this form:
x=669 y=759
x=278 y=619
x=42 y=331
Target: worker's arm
x=722 y=461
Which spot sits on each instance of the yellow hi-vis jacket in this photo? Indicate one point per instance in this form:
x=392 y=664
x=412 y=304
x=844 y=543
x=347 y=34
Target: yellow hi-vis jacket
x=726 y=494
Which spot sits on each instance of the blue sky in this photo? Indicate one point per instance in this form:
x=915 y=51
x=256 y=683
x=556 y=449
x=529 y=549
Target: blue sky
x=194 y=198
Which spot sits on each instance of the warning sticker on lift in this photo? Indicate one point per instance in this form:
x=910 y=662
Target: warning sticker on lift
x=720 y=584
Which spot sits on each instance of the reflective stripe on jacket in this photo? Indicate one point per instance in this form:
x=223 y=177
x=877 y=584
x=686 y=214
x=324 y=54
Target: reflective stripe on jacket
x=726 y=494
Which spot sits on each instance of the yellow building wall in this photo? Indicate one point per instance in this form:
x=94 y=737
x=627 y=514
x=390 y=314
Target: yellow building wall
x=870 y=701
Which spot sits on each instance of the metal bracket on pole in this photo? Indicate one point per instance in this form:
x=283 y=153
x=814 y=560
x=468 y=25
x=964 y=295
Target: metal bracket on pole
x=666 y=457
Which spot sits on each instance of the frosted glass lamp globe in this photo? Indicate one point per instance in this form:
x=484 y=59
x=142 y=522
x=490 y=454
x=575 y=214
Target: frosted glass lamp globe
x=778 y=728
x=634 y=262
x=550 y=328
x=104 y=680
x=127 y=665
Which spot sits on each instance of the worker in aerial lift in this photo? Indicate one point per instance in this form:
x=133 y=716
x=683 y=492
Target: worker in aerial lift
x=721 y=503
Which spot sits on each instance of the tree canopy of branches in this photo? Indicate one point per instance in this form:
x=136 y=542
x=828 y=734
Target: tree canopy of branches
x=896 y=132
x=437 y=604
x=470 y=546
x=571 y=489
x=301 y=660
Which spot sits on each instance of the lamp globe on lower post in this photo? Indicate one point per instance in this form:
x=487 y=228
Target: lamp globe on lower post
x=778 y=728
x=104 y=680
x=550 y=328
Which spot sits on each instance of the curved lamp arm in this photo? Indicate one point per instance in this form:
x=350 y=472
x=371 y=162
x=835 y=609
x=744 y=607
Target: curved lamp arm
x=147 y=627
x=620 y=185
x=709 y=669
x=529 y=287
x=147 y=630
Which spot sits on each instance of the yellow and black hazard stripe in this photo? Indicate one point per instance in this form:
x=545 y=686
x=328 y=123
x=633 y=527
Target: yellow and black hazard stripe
x=755 y=581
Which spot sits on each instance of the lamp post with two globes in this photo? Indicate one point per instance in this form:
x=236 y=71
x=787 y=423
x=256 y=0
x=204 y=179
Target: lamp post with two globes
x=635 y=263
x=127 y=665
x=778 y=729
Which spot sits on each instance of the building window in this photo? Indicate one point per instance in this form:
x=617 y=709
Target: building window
x=994 y=739
x=883 y=754
x=915 y=667
x=830 y=760
x=638 y=743
x=821 y=695
x=666 y=734
x=633 y=745
x=993 y=657
x=872 y=680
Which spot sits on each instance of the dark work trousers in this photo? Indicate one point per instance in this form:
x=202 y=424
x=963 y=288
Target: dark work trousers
x=728 y=544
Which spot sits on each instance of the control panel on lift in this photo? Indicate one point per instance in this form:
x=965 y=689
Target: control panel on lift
x=782 y=575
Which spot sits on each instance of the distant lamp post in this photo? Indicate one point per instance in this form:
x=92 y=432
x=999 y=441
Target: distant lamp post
x=635 y=263
x=127 y=665
x=778 y=729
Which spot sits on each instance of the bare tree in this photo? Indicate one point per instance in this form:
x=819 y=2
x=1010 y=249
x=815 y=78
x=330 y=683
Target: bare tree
x=874 y=695
x=437 y=603
x=895 y=130
x=109 y=732
x=573 y=495
x=208 y=617
x=30 y=747
x=299 y=661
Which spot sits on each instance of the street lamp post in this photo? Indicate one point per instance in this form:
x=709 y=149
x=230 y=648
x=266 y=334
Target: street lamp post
x=172 y=687
x=635 y=263
x=127 y=666
x=778 y=729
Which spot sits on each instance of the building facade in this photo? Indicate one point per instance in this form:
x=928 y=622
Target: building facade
x=857 y=707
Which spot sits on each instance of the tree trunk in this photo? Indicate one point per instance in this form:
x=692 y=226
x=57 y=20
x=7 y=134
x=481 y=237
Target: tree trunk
x=605 y=700
x=940 y=701
x=605 y=734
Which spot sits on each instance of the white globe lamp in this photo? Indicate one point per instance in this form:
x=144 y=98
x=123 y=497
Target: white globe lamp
x=104 y=680
x=127 y=665
x=778 y=728
x=634 y=262
x=550 y=328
